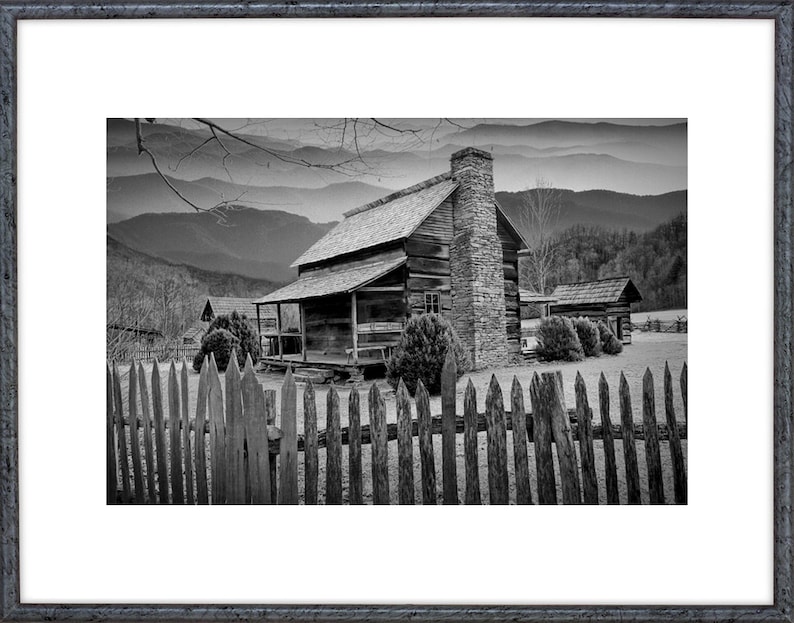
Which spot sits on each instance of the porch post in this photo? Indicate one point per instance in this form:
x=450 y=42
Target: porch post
x=259 y=330
x=278 y=332
x=303 y=331
x=354 y=320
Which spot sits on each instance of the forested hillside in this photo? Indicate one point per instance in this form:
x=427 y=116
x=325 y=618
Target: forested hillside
x=148 y=292
x=656 y=261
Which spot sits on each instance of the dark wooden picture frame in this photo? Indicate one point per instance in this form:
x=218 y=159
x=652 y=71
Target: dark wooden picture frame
x=781 y=12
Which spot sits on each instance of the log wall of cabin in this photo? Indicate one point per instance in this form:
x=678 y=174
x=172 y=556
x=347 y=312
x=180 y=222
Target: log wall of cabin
x=329 y=329
x=428 y=261
x=510 y=248
x=382 y=300
x=428 y=270
x=328 y=326
x=597 y=311
x=391 y=251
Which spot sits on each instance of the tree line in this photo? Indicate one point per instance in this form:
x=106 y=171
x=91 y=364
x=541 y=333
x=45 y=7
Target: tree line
x=656 y=261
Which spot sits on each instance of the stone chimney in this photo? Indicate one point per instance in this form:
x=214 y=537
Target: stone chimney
x=478 y=292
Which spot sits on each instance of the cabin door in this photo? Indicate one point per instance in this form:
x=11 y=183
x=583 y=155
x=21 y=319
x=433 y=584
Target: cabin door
x=616 y=325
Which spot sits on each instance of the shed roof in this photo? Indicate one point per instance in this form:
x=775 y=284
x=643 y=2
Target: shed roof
x=391 y=218
x=528 y=296
x=601 y=291
x=222 y=305
x=313 y=285
x=196 y=331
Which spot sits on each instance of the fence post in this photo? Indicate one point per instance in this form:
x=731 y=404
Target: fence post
x=177 y=492
x=610 y=464
x=333 y=449
x=270 y=412
x=188 y=453
x=684 y=394
x=135 y=442
x=629 y=447
x=235 y=435
x=146 y=422
x=121 y=435
x=589 y=478
x=310 y=459
x=498 y=487
x=541 y=430
x=202 y=493
x=676 y=454
x=288 y=489
x=217 y=434
x=356 y=494
x=652 y=455
x=523 y=487
x=258 y=468
x=405 y=449
x=159 y=434
x=448 y=431
x=426 y=444
x=470 y=445
x=112 y=478
x=552 y=391
x=380 y=447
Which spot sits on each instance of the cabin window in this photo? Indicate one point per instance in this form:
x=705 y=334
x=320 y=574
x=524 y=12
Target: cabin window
x=432 y=303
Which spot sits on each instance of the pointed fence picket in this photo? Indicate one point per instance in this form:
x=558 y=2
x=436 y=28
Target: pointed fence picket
x=356 y=493
x=253 y=454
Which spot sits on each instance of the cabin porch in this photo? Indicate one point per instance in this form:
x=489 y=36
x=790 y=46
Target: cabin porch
x=337 y=366
x=352 y=331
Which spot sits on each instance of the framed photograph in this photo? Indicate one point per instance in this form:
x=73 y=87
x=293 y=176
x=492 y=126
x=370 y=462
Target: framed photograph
x=479 y=259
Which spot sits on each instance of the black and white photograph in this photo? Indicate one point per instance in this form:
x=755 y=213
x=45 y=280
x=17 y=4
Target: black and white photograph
x=452 y=260
x=396 y=311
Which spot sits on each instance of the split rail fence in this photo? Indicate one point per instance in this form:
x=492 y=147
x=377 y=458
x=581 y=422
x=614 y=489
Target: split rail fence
x=239 y=456
x=679 y=325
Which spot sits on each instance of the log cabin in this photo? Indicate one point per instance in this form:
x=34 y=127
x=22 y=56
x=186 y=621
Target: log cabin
x=443 y=246
x=608 y=300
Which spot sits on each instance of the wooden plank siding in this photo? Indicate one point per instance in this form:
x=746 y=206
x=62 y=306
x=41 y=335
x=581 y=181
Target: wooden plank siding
x=510 y=247
x=428 y=270
x=328 y=328
x=428 y=262
x=620 y=311
x=390 y=251
x=437 y=226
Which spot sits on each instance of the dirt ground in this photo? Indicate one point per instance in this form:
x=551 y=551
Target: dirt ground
x=648 y=350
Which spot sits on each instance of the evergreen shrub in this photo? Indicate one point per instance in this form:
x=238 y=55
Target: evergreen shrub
x=421 y=352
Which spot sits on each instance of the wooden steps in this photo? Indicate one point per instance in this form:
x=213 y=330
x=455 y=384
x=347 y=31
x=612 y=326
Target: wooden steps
x=315 y=375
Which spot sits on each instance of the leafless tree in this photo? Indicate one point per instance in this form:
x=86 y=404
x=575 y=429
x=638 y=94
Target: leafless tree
x=350 y=138
x=540 y=214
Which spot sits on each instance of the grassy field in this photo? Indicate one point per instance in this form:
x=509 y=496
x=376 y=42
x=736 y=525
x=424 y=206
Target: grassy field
x=648 y=350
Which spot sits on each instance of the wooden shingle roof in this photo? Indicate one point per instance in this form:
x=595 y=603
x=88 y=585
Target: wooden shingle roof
x=223 y=305
x=196 y=332
x=391 y=218
x=313 y=285
x=593 y=292
x=529 y=296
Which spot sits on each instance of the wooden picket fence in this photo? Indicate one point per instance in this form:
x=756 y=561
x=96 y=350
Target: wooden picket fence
x=237 y=455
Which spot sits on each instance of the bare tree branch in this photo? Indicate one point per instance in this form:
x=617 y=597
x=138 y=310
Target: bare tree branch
x=539 y=217
x=143 y=149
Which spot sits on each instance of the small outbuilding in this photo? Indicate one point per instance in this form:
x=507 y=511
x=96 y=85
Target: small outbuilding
x=537 y=300
x=193 y=335
x=262 y=318
x=606 y=299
